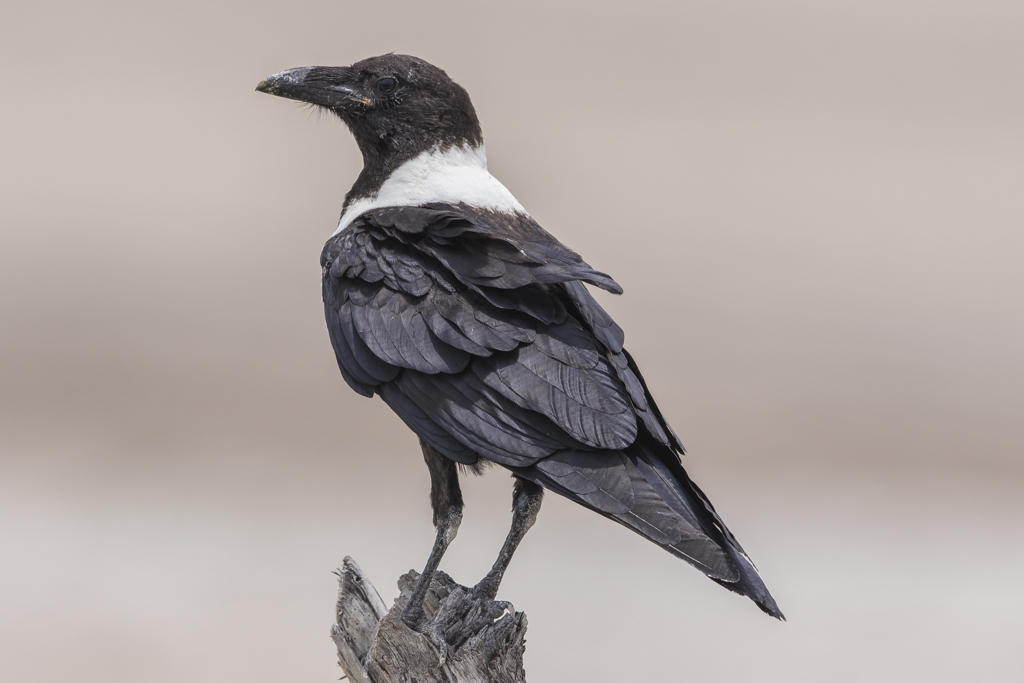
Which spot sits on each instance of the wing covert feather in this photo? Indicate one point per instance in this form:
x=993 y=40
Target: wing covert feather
x=481 y=329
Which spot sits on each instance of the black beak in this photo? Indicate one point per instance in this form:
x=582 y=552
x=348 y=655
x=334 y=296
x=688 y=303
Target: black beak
x=325 y=86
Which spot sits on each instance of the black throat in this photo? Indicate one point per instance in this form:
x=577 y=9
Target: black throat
x=382 y=157
x=386 y=142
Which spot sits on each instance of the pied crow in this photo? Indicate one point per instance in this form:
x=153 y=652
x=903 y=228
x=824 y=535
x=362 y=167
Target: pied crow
x=446 y=299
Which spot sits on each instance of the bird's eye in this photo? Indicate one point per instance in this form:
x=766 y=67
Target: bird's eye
x=386 y=84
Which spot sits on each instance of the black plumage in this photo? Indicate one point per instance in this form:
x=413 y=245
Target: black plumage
x=476 y=327
x=438 y=310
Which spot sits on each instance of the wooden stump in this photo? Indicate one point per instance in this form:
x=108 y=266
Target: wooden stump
x=486 y=638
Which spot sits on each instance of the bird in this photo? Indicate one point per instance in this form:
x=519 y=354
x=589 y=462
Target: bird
x=446 y=299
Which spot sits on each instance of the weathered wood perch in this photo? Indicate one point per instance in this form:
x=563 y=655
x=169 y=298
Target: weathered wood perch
x=486 y=638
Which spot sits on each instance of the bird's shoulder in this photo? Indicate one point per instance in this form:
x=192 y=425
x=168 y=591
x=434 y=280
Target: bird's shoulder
x=480 y=247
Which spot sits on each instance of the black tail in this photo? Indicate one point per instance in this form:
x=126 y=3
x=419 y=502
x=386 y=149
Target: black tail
x=646 y=489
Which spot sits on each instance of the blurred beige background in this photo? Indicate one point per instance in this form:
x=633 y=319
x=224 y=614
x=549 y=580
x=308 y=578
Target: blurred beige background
x=815 y=209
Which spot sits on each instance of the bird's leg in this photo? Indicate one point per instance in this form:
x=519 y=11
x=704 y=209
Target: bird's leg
x=446 y=500
x=526 y=499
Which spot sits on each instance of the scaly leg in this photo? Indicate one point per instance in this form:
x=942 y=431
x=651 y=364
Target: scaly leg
x=526 y=499
x=446 y=500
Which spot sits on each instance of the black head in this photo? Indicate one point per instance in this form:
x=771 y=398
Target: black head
x=396 y=105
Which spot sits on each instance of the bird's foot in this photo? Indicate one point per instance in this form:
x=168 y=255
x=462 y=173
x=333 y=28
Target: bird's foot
x=485 y=593
x=417 y=620
x=486 y=589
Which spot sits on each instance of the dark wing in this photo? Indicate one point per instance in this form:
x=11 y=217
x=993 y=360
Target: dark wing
x=506 y=351
x=460 y=320
x=477 y=330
